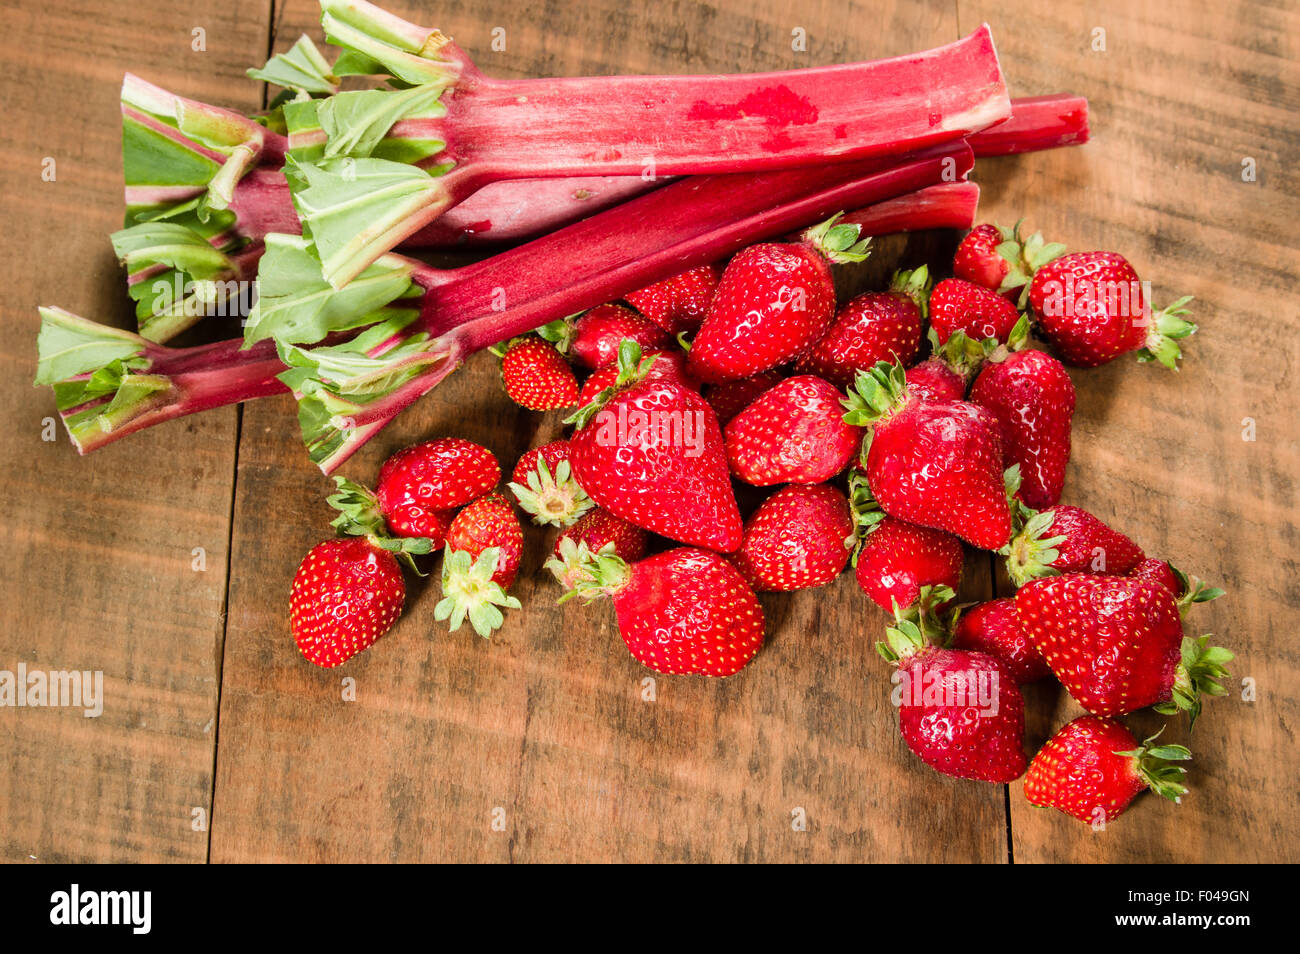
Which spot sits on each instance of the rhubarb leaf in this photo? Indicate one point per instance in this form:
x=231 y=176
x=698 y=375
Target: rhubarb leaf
x=384 y=41
x=354 y=210
x=69 y=345
x=169 y=244
x=297 y=306
x=302 y=70
x=356 y=123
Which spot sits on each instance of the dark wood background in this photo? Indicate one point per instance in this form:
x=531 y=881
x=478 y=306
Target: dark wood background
x=545 y=728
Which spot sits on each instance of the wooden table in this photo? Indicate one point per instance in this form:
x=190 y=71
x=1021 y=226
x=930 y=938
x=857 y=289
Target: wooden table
x=165 y=559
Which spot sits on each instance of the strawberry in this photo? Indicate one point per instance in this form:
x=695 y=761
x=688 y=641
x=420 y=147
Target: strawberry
x=537 y=377
x=977 y=259
x=346 y=594
x=543 y=484
x=877 y=326
x=669 y=364
x=731 y=397
x=960 y=712
x=937 y=465
x=934 y=380
x=958 y=305
x=437 y=475
x=1032 y=398
x=599 y=532
x=773 y=303
x=679 y=303
x=360 y=514
x=681 y=611
x=650 y=451
x=796 y=539
x=994 y=628
x=484 y=547
x=793 y=433
x=595 y=337
x=1066 y=539
x=1093 y=768
x=1187 y=590
x=1091 y=307
x=1117 y=644
x=1000 y=260
x=899 y=560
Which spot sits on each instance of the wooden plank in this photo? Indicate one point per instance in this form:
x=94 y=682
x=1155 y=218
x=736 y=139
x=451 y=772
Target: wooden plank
x=1182 y=95
x=98 y=570
x=547 y=723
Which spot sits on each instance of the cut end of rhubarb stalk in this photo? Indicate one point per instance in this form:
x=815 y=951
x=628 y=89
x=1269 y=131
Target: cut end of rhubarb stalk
x=99 y=375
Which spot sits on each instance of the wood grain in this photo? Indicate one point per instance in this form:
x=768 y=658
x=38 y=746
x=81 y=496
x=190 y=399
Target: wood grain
x=98 y=565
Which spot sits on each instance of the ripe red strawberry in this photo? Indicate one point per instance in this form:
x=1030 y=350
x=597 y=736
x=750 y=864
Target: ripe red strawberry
x=994 y=628
x=796 y=539
x=977 y=259
x=668 y=364
x=679 y=303
x=934 y=380
x=360 y=514
x=437 y=475
x=652 y=453
x=537 y=377
x=899 y=559
x=682 y=611
x=876 y=326
x=1093 y=768
x=958 y=305
x=731 y=397
x=1187 y=590
x=1000 y=260
x=1032 y=398
x=599 y=532
x=1091 y=307
x=793 y=433
x=543 y=485
x=484 y=547
x=597 y=334
x=346 y=594
x=1117 y=644
x=773 y=303
x=490 y=521
x=937 y=465
x=960 y=712
x=1067 y=539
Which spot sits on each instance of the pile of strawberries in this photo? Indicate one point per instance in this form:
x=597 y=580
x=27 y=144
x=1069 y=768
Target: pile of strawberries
x=897 y=433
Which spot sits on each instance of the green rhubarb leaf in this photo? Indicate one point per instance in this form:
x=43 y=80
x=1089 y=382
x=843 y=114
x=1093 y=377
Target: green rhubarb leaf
x=302 y=70
x=356 y=123
x=69 y=345
x=384 y=43
x=150 y=158
x=354 y=210
x=297 y=306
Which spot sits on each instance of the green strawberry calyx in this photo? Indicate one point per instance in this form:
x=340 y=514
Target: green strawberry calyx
x=920 y=626
x=554 y=500
x=1152 y=765
x=1167 y=327
x=1024 y=257
x=1194 y=589
x=873 y=398
x=359 y=516
x=587 y=574
x=1031 y=553
x=632 y=368
x=468 y=591
x=1197 y=675
x=838 y=243
x=864 y=510
x=916 y=285
x=559 y=333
